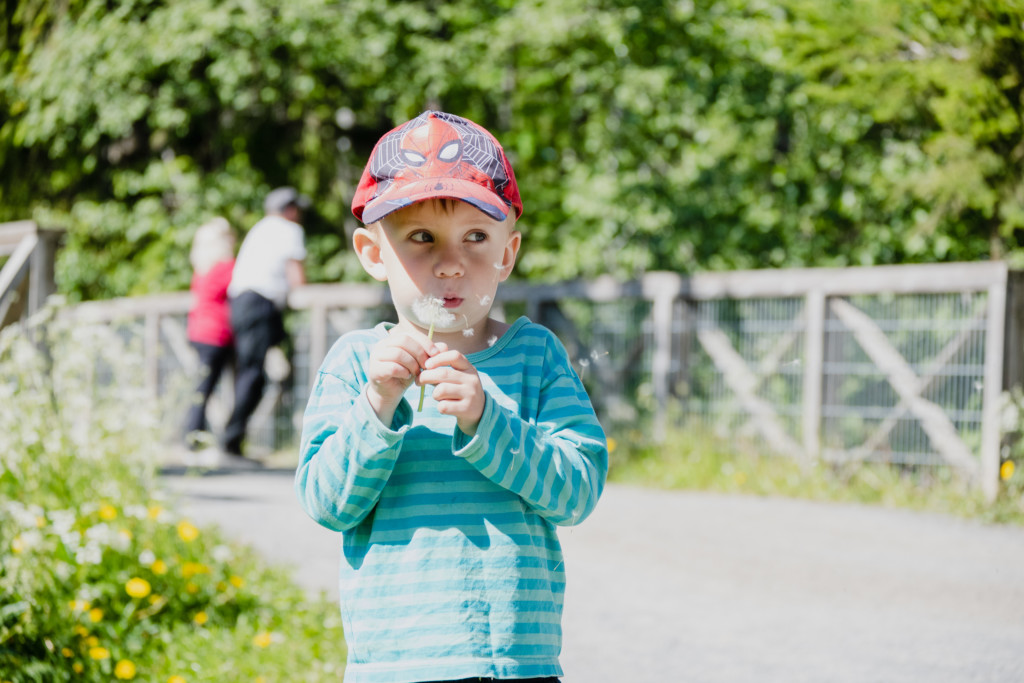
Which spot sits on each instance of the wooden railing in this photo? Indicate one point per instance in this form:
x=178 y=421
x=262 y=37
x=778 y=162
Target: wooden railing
x=812 y=362
x=26 y=279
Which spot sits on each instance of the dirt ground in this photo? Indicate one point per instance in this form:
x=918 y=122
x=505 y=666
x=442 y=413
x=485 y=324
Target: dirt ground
x=672 y=586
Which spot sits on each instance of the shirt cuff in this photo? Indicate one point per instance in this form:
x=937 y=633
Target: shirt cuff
x=474 y=447
x=400 y=423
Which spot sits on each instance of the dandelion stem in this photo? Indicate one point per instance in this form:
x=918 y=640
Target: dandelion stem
x=423 y=388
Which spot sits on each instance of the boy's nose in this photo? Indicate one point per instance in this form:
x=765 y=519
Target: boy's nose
x=449 y=264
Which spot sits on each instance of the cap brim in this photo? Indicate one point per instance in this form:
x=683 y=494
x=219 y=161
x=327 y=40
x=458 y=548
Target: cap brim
x=403 y=194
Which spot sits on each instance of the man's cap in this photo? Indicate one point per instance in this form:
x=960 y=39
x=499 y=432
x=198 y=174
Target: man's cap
x=436 y=155
x=281 y=198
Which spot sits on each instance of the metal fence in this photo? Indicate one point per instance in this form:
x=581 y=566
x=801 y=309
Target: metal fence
x=899 y=364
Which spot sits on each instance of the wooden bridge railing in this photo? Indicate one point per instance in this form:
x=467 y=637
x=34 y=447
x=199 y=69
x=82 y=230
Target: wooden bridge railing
x=903 y=364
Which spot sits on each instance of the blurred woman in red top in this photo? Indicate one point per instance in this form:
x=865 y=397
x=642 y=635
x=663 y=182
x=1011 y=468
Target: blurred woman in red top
x=209 y=325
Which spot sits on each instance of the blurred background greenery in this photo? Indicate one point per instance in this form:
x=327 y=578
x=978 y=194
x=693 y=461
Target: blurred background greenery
x=682 y=135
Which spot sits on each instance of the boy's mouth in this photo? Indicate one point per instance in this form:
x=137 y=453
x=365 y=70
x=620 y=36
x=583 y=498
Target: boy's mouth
x=452 y=301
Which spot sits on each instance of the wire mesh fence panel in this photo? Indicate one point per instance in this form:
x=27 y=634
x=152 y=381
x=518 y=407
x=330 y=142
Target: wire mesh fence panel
x=884 y=372
x=743 y=368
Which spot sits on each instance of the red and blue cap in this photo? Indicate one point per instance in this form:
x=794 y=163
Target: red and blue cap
x=437 y=155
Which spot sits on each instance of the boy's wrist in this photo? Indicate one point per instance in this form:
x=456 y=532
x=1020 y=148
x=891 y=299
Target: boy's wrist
x=383 y=407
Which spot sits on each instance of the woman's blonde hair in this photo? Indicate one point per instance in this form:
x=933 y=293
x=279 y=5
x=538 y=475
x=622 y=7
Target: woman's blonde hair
x=212 y=243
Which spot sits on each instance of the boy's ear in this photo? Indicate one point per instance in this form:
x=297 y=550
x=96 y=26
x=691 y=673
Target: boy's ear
x=365 y=243
x=508 y=258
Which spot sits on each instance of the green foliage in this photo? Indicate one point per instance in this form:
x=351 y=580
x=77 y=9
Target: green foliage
x=694 y=458
x=100 y=578
x=684 y=135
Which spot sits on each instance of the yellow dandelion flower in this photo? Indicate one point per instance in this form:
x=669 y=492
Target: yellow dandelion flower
x=200 y=618
x=108 y=512
x=191 y=588
x=77 y=667
x=261 y=639
x=1006 y=470
x=154 y=598
x=612 y=444
x=92 y=641
x=154 y=511
x=237 y=581
x=99 y=653
x=159 y=567
x=137 y=588
x=260 y=679
x=79 y=605
x=40 y=521
x=190 y=569
x=66 y=651
x=176 y=679
x=126 y=534
x=187 y=531
x=17 y=545
x=95 y=614
x=124 y=670
x=81 y=630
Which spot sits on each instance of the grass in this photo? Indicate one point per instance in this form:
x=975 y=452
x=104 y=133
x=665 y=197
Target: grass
x=101 y=578
x=695 y=459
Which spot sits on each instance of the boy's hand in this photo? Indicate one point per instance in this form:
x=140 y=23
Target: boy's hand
x=457 y=387
x=395 y=361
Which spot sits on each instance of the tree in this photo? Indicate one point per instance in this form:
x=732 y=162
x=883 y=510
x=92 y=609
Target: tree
x=645 y=135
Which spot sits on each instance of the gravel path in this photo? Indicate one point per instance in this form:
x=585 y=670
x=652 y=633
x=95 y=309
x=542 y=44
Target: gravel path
x=680 y=586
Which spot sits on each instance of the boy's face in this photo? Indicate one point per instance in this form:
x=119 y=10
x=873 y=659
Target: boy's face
x=450 y=252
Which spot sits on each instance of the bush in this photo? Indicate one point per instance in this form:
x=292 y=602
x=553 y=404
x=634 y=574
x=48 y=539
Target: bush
x=100 y=578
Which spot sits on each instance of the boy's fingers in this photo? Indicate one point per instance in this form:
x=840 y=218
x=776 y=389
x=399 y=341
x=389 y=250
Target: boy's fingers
x=400 y=357
x=453 y=359
x=417 y=348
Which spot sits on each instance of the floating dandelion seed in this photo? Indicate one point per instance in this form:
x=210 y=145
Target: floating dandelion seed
x=468 y=332
x=492 y=341
x=431 y=312
x=485 y=299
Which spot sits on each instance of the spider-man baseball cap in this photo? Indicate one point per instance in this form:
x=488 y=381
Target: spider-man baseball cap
x=436 y=155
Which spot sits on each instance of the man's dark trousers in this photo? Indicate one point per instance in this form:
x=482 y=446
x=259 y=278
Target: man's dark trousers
x=257 y=325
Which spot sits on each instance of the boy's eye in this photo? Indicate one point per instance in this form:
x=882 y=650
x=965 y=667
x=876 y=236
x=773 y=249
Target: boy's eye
x=476 y=237
x=421 y=236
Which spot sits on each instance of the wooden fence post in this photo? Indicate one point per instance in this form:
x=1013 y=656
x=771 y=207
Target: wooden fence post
x=813 y=371
x=993 y=386
x=663 y=290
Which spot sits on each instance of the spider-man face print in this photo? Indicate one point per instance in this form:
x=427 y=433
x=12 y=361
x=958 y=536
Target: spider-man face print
x=436 y=155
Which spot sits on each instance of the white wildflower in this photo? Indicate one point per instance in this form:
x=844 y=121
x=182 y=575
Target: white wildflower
x=136 y=511
x=90 y=553
x=30 y=539
x=221 y=553
x=147 y=557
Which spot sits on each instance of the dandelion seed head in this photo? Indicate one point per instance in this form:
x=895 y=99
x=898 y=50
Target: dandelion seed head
x=468 y=332
x=492 y=341
x=430 y=312
x=485 y=299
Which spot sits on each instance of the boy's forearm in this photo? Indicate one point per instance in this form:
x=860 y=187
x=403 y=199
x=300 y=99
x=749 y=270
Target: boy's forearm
x=560 y=472
x=346 y=459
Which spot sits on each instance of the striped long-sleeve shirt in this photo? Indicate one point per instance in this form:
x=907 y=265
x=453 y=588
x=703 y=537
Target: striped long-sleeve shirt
x=451 y=567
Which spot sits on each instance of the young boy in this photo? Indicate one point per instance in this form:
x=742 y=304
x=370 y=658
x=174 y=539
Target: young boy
x=451 y=568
